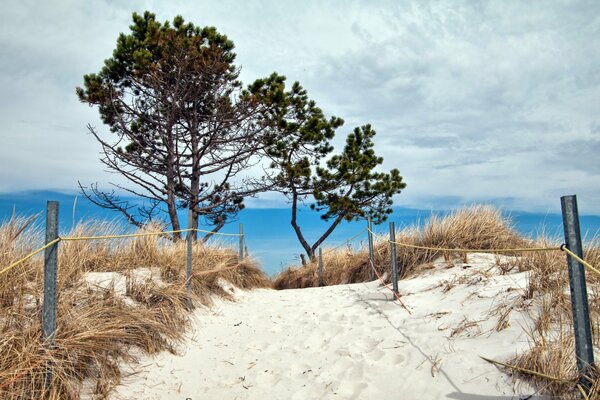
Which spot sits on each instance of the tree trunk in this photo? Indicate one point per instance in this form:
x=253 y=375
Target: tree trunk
x=310 y=252
x=327 y=233
x=213 y=231
x=172 y=209
x=195 y=192
x=170 y=175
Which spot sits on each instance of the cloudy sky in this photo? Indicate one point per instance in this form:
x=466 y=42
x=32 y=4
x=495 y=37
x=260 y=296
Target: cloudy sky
x=473 y=101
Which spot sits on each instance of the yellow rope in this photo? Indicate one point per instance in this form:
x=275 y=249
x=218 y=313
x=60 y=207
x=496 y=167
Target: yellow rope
x=74 y=238
x=145 y=234
x=219 y=233
x=346 y=241
x=124 y=236
x=575 y=256
x=527 y=249
x=28 y=256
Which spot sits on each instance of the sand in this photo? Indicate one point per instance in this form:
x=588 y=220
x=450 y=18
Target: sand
x=351 y=342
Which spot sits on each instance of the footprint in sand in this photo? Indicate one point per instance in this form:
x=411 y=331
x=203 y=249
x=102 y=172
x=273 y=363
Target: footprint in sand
x=375 y=354
x=395 y=359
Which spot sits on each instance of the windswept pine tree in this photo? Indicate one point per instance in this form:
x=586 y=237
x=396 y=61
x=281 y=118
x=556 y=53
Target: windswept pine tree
x=345 y=186
x=181 y=129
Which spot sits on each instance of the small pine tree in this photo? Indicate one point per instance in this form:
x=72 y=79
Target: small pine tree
x=347 y=187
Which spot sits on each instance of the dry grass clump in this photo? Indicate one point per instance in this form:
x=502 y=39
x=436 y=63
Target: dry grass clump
x=477 y=227
x=99 y=326
x=555 y=359
x=553 y=349
x=546 y=296
x=16 y=241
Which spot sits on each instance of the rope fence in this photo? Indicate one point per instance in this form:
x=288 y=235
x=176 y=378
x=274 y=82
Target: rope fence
x=576 y=265
x=347 y=241
x=51 y=268
x=562 y=248
x=102 y=237
x=572 y=248
x=459 y=250
x=28 y=256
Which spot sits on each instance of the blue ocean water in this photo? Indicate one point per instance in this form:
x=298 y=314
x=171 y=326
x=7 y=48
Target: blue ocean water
x=269 y=235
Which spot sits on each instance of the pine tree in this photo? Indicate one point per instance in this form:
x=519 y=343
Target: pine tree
x=182 y=129
x=347 y=186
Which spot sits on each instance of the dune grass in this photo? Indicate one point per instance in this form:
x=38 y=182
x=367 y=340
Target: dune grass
x=98 y=328
x=546 y=297
x=552 y=342
x=479 y=227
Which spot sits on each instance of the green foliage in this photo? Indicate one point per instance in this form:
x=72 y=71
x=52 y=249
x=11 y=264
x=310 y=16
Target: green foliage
x=152 y=46
x=340 y=186
x=301 y=132
x=350 y=187
x=168 y=85
x=170 y=94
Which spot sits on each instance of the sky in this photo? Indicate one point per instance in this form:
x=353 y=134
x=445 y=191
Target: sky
x=494 y=101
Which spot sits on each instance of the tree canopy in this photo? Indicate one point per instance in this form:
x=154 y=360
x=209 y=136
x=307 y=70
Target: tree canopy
x=344 y=186
x=183 y=132
x=182 y=129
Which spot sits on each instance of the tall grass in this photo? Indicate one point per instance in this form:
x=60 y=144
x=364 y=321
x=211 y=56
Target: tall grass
x=99 y=327
x=553 y=350
x=546 y=296
x=480 y=227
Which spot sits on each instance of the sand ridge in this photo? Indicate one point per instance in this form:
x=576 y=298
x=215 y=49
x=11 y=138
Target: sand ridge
x=350 y=342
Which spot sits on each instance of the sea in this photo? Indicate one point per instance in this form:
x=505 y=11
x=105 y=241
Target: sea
x=268 y=233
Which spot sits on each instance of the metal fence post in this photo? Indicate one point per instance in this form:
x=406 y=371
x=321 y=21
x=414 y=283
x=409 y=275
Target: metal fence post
x=394 y=260
x=579 y=301
x=371 y=250
x=321 y=282
x=241 y=254
x=189 y=238
x=50 y=268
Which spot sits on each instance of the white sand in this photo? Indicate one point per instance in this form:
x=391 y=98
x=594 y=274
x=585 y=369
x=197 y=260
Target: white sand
x=350 y=342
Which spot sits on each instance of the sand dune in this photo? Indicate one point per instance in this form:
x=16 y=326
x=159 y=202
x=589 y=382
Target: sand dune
x=351 y=342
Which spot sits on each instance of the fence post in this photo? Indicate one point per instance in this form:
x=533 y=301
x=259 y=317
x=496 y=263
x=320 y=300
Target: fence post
x=321 y=282
x=50 y=267
x=394 y=260
x=581 y=318
x=241 y=254
x=189 y=238
x=371 y=250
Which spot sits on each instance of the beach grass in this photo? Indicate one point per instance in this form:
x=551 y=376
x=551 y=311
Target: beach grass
x=478 y=227
x=546 y=297
x=145 y=308
x=101 y=326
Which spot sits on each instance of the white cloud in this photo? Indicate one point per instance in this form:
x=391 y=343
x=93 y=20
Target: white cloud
x=471 y=101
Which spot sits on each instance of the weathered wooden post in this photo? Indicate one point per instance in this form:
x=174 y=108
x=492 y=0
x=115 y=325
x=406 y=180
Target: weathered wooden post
x=394 y=260
x=189 y=239
x=50 y=268
x=321 y=281
x=584 y=349
x=371 y=250
x=241 y=253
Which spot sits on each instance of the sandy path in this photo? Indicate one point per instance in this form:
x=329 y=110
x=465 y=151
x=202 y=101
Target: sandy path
x=347 y=342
